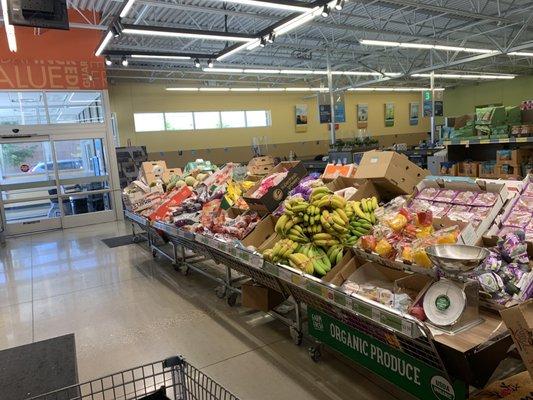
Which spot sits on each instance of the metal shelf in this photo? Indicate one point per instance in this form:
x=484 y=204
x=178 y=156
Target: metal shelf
x=459 y=142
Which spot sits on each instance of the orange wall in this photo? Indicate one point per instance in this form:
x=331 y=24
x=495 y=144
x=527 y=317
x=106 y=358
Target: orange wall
x=53 y=59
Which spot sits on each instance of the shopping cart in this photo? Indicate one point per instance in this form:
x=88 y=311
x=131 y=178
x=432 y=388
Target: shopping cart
x=170 y=379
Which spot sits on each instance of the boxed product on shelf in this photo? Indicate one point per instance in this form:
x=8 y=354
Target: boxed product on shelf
x=483 y=199
x=516 y=156
x=390 y=170
x=513 y=115
x=333 y=171
x=468 y=168
x=449 y=168
x=487 y=170
x=260 y=165
x=272 y=196
x=508 y=171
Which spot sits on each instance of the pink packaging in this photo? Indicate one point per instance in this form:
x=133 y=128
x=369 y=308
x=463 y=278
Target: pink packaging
x=524 y=203
x=427 y=193
x=505 y=230
x=528 y=191
x=485 y=199
x=460 y=213
x=446 y=195
x=419 y=205
x=518 y=218
x=465 y=197
x=480 y=213
x=438 y=209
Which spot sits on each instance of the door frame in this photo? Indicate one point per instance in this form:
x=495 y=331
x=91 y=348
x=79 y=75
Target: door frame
x=57 y=132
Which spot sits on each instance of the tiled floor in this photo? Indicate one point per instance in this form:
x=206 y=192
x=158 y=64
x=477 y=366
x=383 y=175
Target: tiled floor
x=127 y=309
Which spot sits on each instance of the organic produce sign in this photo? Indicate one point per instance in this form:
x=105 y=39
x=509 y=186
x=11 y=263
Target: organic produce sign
x=412 y=375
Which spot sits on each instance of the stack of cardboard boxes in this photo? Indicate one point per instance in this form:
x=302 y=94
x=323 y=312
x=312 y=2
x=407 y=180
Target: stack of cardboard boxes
x=509 y=163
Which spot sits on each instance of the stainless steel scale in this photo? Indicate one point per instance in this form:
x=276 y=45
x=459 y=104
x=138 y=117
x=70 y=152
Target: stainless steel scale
x=452 y=303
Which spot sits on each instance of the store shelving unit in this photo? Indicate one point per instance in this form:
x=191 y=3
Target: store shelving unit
x=331 y=311
x=461 y=142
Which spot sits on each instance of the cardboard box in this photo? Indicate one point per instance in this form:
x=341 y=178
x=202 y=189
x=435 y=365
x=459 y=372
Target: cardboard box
x=519 y=320
x=260 y=165
x=258 y=297
x=333 y=171
x=275 y=195
x=377 y=275
x=487 y=169
x=517 y=156
x=468 y=168
x=262 y=235
x=449 y=168
x=516 y=387
x=390 y=170
x=478 y=186
x=508 y=171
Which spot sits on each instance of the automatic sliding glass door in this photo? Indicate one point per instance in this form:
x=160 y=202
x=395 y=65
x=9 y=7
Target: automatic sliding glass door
x=29 y=199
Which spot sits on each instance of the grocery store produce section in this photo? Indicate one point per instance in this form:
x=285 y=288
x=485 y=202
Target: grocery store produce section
x=403 y=274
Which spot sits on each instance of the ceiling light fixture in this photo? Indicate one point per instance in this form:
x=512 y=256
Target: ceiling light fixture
x=268 y=4
x=160 y=57
x=248 y=89
x=244 y=89
x=181 y=89
x=124 y=62
x=191 y=35
x=108 y=61
x=466 y=76
x=325 y=11
x=10 y=29
x=411 y=45
x=272 y=89
x=239 y=48
x=261 y=71
x=392 y=89
x=521 y=54
x=253 y=44
x=214 y=89
x=107 y=38
x=340 y=5
x=127 y=8
x=230 y=70
x=210 y=63
x=197 y=63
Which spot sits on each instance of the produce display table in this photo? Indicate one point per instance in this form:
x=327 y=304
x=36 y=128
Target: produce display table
x=396 y=346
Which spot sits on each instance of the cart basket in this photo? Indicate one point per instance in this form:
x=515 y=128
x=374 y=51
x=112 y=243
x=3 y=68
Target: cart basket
x=172 y=379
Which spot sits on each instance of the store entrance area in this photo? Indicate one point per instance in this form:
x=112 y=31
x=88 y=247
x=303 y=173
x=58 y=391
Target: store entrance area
x=125 y=308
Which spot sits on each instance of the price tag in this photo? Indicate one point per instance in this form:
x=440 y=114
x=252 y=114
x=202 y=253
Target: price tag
x=285 y=274
x=256 y=261
x=349 y=302
x=376 y=314
x=521 y=140
x=328 y=293
x=212 y=243
x=407 y=328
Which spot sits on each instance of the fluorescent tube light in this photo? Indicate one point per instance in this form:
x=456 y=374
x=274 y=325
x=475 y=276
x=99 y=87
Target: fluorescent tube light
x=297 y=72
x=127 y=8
x=10 y=29
x=267 y=4
x=261 y=71
x=466 y=76
x=230 y=70
x=296 y=22
x=249 y=89
x=271 y=89
x=253 y=44
x=521 y=54
x=391 y=89
x=141 y=31
x=214 y=89
x=426 y=46
x=159 y=57
x=235 y=50
x=182 y=89
x=298 y=89
x=104 y=43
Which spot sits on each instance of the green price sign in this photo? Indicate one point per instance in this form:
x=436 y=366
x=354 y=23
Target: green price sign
x=427 y=95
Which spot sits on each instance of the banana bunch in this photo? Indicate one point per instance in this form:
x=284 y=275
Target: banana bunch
x=318 y=193
x=297 y=234
x=295 y=206
x=335 y=222
x=318 y=257
x=325 y=240
x=302 y=262
x=280 y=251
x=335 y=254
x=330 y=201
x=362 y=218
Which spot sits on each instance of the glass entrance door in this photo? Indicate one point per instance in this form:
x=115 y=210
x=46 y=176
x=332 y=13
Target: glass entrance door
x=28 y=185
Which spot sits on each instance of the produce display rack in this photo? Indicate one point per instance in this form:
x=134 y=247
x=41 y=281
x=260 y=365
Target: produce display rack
x=404 y=337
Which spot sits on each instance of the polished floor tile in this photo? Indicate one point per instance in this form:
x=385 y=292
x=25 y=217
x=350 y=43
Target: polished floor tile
x=127 y=308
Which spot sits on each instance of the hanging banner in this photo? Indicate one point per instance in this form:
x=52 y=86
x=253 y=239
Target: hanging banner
x=389 y=114
x=340 y=114
x=324 y=113
x=362 y=116
x=324 y=108
x=301 y=111
x=413 y=113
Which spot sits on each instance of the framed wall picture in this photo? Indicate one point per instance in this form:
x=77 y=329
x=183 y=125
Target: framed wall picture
x=389 y=114
x=414 y=109
x=362 y=116
x=301 y=111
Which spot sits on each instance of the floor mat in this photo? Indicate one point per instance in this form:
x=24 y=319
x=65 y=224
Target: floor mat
x=123 y=240
x=38 y=368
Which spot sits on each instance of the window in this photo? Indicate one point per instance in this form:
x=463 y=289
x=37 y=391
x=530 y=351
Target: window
x=233 y=119
x=257 y=118
x=82 y=107
x=149 y=122
x=193 y=120
x=179 y=121
x=207 y=120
